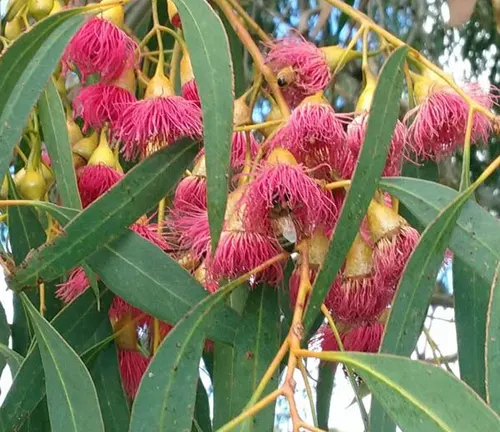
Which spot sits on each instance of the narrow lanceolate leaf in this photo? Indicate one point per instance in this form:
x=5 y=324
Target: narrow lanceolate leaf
x=147 y=278
x=471 y=296
x=4 y=335
x=381 y=123
x=493 y=345
x=237 y=375
x=324 y=388
x=213 y=70
x=77 y=323
x=25 y=69
x=420 y=396
x=109 y=216
x=55 y=134
x=410 y=305
x=71 y=395
x=474 y=243
x=167 y=393
x=202 y=421
x=12 y=358
x=106 y=376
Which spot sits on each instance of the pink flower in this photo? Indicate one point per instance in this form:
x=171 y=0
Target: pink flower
x=280 y=187
x=440 y=120
x=94 y=180
x=315 y=136
x=356 y=132
x=149 y=232
x=132 y=367
x=100 y=47
x=99 y=104
x=191 y=190
x=239 y=149
x=153 y=123
x=190 y=227
x=365 y=338
x=308 y=71
x=76 y=285
x=190 y=92
x=359 y=293
x=393 y=239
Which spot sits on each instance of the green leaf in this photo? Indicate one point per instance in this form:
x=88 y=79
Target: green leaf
x=471 y=296
x=106 y=376
x=12 y=358
x=213 y=71
x=475 y=244
x=420 y=396
x=166 y=396
x=25 y=69
x=201 y=421
x=39 y=419
x=415 y=288
x=238 y=375
x=237 y=57
x=371 y=162
x=492 y=349
x=143 y=187
x=55 y=134
x=77 y=323
x=167 y=291
x=324 y=388
x=71 y=394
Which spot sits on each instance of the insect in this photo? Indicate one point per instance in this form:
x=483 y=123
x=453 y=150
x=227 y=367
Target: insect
x=285 y=77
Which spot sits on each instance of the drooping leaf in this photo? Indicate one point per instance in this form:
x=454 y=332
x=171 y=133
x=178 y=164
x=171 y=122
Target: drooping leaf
x=415 y=288
x=419 y=396
x=55 y=134
x=324 y=388
x=166 y=291
x=201 y=421
x=12 y=358
x=492 y=350
x=76 y=323
x=255 y=345
x=71 y=394
x=25 y=69
x=371 y=162
x=143 y=186
x=474 y=243
x=106 y=376
x=213 y=71
x=167 y=393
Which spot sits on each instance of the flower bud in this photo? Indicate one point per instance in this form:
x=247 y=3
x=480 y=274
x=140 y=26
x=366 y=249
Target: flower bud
x=125 y=333
x=48 y=175
x=383 y=221
x=318 y=246
x=366 y=97
x=274 y=114
x=32 y=186
x=13 y=28
x=173 y=14
x=86 y=146
x=281 y=156
x=102 y=155
x=13 y=8
x=74 y=132
x=39 y=9
x=57 y=7
x=358 y=262
x=18 y=176
x=116 y=14
x=241 y=114
x=333 y=55
x=78 y=161
x=186 y=68
x=159 y=86
x=127 y=80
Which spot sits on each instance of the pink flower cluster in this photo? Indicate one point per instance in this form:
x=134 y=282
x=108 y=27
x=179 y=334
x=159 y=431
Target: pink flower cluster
x=277 y=190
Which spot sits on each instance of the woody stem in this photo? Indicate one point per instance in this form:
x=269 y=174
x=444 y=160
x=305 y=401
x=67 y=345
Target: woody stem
x=257 y=57
x=249 y=20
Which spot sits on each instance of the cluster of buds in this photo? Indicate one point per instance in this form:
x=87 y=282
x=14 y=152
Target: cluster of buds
x=279 y=174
